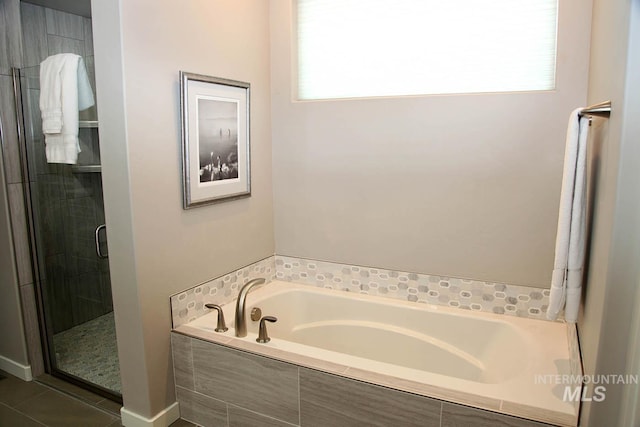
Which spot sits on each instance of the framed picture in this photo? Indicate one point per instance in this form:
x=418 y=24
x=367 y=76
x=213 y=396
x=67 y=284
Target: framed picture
x=215 y=139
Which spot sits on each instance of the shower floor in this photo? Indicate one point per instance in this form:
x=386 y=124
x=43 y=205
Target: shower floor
x=89 y=351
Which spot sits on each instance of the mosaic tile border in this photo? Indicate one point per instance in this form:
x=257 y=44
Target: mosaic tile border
x=522 y=301
x=475 y=295
x=189 y=304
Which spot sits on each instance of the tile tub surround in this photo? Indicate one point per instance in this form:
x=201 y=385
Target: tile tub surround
x=475 y=295
x=500 y=298
x=189 y=305
x=221 y=386
x=514 y=391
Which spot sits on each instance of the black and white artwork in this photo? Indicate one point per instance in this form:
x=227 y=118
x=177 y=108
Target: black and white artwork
x=215 y=139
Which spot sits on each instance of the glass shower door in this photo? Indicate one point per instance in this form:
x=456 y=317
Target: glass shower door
x=70 y=251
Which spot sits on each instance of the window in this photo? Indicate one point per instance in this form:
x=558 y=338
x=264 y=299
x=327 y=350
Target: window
x=366 y=48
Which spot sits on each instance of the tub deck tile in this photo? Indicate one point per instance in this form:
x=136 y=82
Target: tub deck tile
x=424 y=389
x=461 y=416
x=200 y=409
x=239 y=417
x=552 y=417
x=182 y=361
x=329 y=400
x=254 y=382
x=287 y=356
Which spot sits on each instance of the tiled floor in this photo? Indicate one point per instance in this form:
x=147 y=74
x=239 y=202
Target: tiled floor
x=89 y=351
x=35 y=404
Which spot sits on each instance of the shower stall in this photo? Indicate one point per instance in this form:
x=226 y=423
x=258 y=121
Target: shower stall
x=65 y=217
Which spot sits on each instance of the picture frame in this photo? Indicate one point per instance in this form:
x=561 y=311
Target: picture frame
x=216 y=160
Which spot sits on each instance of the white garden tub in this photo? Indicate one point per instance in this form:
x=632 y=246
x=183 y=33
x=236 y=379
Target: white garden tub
x=479 y=359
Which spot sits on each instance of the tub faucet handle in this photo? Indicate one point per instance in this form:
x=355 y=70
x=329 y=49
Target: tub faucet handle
x=222 y=326
x=263 y=337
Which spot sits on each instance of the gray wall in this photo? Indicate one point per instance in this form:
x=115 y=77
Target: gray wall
x=457 y=185
x=608 y=327
x=157 y=248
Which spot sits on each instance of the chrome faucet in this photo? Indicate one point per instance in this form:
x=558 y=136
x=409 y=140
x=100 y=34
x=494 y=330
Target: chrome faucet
x=241 y=318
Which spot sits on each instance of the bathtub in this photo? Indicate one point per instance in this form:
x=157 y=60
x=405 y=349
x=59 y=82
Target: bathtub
x=483 y=360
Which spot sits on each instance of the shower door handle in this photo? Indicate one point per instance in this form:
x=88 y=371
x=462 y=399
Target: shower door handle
x=98 y=250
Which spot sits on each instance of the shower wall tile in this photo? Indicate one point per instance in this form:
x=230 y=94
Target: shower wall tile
x=79 y=228
x=10 y=147
x=20 y=233
x=32 y=329
x=189 y=305
x=57 y=294
x=57 y=44
x=50 y=208
x=64 y=24
x=50 y=186
x=5 y=38
x=78 y=185
x=34 y=34
x=86 y=286
x=87 y=29
x=33 y=123
x=466 y=294
x=105 y=286
x=85 y=309
x=90 y=113
x=67 y=205
x=97 y=189
x=90 y=149
x=37 y=160
x=10 y=40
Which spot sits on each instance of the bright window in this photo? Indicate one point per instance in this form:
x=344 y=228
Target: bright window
x=368 y=48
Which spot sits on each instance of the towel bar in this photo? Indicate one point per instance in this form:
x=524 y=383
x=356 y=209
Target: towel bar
x=602 y=109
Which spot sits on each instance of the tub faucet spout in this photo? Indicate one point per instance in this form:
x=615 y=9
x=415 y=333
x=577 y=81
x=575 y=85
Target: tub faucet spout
x=241 y=318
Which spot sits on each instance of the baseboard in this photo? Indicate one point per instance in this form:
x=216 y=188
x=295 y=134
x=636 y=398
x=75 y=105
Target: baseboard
x=16 y=369
x=163 y=419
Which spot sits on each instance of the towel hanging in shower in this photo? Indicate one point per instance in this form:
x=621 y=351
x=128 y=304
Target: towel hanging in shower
x=566 y=280
x=64 y=90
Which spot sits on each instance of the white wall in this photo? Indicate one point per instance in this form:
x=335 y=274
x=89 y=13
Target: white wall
x=460 y=185
x=156 y=248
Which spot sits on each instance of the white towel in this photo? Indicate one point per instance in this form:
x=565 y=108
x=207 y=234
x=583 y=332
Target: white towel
x=566 y=280
x=64 y=90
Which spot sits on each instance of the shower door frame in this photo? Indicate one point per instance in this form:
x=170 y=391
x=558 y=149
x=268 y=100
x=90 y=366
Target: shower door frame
x=44 y=324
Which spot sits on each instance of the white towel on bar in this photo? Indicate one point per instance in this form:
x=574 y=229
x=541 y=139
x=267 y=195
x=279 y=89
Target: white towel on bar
x=64 y=90
x=566 y=280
